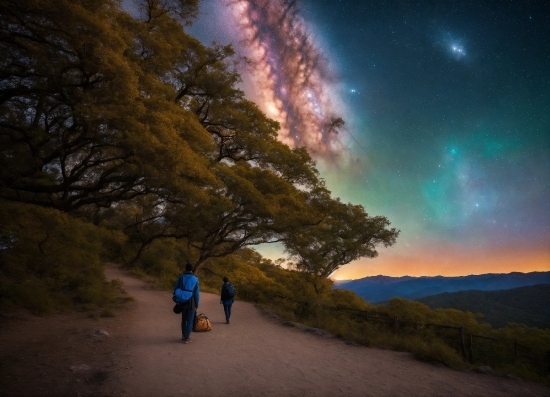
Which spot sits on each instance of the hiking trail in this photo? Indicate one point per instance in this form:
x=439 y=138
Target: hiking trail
x=255 y=355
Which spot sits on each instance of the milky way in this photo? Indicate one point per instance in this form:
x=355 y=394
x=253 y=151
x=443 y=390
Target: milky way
x=294 y=83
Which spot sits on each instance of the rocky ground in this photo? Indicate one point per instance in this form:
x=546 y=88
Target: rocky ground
x=71 y=354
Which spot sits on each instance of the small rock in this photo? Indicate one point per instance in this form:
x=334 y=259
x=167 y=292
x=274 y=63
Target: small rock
x=316 y=331
x=98 y=334
x=485 y=370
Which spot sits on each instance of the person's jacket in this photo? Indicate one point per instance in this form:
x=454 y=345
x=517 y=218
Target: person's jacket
x=188 y=281
x=223 y=295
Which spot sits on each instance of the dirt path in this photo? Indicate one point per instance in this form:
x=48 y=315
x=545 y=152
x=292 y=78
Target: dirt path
x=257 y=356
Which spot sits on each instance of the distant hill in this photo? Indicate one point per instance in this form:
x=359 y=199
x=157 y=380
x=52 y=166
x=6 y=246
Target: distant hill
x=527 y=305
x=379 y=289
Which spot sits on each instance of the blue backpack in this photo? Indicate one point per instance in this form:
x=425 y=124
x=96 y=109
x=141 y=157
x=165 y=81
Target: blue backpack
x=185 y=294
x=229 y=291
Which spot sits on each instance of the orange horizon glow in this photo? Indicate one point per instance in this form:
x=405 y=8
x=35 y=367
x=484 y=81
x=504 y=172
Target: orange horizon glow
x=437 y=259
x=447 y=263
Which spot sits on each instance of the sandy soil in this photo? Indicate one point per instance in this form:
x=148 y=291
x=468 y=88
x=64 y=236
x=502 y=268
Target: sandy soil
x=255 y=355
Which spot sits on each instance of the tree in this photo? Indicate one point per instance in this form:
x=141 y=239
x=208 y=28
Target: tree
x=83 y=121
x=184 y=10
x=252 y=206
x=231 y=211
x=345 y=233
x=133 y=123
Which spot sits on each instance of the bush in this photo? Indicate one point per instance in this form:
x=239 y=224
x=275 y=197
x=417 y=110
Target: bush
x=50 y=261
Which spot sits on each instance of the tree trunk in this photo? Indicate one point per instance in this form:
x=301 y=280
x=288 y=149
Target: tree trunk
x=200 y=263
x=139 y=253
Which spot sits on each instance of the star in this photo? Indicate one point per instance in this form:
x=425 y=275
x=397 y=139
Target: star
x=458 y=50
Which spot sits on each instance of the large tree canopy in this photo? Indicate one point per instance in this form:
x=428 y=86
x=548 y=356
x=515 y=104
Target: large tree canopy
x=130 y=122
x=82 y=119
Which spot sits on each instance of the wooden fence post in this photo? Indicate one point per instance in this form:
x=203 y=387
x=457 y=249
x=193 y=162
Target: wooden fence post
x=471 y=348
x=462 y=342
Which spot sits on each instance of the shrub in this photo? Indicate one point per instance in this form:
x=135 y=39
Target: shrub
x=50 y=261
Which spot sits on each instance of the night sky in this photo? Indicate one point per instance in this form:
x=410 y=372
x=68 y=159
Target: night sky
x=447 y=112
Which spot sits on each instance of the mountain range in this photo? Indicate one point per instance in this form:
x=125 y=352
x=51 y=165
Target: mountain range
x=526 y=305
x=380 y=289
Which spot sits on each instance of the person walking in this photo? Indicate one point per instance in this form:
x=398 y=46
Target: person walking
x=226 y=298
x=188 y=282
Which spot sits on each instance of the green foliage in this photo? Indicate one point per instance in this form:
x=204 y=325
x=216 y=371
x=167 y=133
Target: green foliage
x=50 y=261
x=85 y=118
x=163 y=261
x=432 y=350
x=344 y=232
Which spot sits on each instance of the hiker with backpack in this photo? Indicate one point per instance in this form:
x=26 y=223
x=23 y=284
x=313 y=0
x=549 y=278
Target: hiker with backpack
x=226 y=298
x=187 y=295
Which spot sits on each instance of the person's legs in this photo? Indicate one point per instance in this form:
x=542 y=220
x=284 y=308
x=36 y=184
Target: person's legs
x=227 y=311
x=183 y=320
x=187 y=318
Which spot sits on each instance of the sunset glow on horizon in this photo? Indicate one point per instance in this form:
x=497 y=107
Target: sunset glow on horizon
x=451 y=265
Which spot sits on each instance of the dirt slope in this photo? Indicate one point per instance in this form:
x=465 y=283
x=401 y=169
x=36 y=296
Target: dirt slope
x=253 y=356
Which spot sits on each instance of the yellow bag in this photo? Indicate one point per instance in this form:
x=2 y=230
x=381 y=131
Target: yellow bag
x=202 y=323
